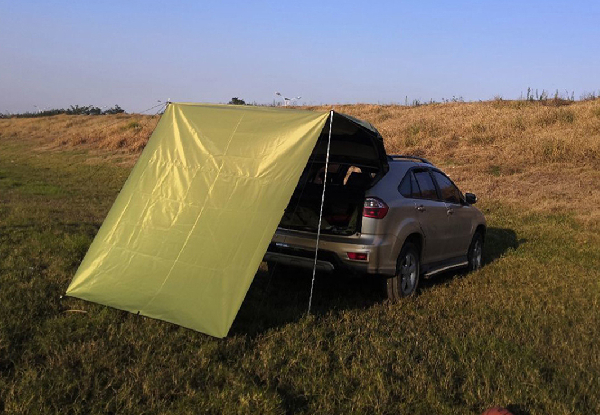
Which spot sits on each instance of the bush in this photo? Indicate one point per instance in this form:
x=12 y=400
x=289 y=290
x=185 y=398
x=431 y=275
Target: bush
x=72 y=110
x=237 y=101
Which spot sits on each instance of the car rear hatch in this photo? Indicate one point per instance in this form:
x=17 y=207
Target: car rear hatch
x=357 y=160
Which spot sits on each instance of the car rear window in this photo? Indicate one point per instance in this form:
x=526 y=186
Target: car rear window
x=409 y=187
x=404 y=188
x=426 y=185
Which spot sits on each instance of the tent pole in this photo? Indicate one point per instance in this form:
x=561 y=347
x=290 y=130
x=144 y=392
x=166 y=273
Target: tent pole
x=312 y=284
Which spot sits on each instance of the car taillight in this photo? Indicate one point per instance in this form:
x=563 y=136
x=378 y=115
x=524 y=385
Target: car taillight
x=375 y=208
x=358 y=256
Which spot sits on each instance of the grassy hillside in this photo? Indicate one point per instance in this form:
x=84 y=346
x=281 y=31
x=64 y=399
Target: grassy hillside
x=544 y=154
x=524 y=331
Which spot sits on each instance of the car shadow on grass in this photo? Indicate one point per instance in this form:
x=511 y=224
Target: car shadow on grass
x=281 y=297
x=498 y=243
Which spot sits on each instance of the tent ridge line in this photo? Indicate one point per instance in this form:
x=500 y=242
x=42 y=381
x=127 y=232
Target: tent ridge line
x=312 y=284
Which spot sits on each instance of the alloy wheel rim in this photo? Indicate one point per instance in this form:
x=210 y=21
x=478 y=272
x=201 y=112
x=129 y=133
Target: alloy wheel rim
x=408 y=273
x=477 y=253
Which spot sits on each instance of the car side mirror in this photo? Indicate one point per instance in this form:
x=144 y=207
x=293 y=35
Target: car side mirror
x=471 y=198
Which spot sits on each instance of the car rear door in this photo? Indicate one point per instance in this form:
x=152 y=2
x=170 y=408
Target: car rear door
x=433 y=216
x=458 y=214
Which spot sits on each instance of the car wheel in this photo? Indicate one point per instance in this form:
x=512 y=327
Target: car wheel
x=404 y=283
x=475 y=255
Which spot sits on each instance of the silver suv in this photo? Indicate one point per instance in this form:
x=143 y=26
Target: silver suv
x=402 y=218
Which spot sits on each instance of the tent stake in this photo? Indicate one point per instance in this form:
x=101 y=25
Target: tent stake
x=312 y=284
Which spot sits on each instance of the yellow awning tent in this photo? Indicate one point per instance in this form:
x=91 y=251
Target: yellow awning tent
x=191 y=225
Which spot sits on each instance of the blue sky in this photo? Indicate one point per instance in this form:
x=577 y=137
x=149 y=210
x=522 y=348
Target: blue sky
x=133 y=53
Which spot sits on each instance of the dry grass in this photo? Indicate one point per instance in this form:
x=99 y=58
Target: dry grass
x=125 y=133
x=545 y=157
x=505 y=132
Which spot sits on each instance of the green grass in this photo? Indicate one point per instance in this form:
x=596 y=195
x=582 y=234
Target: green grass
x=521 y=332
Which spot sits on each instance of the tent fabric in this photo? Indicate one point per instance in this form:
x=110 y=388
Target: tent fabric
x=189 y=229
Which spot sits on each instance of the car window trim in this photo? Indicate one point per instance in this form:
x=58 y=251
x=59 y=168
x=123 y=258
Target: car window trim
x=413 y=178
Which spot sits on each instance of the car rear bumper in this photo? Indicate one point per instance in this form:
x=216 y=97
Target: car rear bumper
x=297 y=248
x=299 y=262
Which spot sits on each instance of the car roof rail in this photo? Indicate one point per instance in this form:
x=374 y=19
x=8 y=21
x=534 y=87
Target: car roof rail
x=405 y=157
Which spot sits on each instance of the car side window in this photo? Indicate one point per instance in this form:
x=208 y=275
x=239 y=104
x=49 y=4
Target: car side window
x=404 y=188
x=425 y=182
x=408 y=187
x=448 y=190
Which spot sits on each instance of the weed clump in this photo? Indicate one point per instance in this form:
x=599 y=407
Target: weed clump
x=554 y=116
x=133 y=125
x=481 y=135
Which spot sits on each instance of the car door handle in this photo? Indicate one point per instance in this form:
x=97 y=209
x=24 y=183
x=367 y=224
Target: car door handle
x=420 y=208
x=450 y=211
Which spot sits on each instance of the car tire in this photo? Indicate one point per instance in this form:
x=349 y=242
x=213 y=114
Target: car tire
x=475 y=254
x=406 y=280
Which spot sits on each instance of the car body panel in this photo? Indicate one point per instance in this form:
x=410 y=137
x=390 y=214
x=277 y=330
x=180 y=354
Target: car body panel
x=461 y=228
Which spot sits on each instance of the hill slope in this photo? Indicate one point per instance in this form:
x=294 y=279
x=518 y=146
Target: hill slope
x=542 y=155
